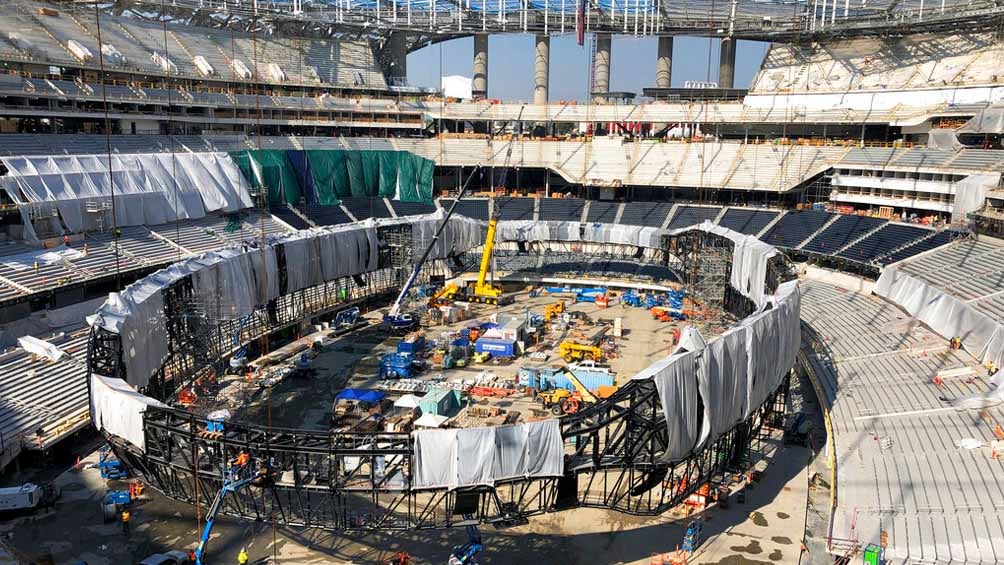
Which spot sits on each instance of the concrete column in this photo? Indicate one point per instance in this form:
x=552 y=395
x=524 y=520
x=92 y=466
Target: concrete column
x=664 y=62
x=727 y=64
x=601 y=66
x=541 y=69
x=396 y=51
x=480 y=83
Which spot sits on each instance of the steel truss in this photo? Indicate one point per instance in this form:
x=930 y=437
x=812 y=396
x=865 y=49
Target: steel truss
x=361 y=481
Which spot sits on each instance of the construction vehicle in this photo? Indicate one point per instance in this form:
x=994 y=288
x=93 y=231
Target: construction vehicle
x=395 y=321
x=571 y=351
x=111 y=468
x=666 y=314
x=482 y=290
x=465 y=554
x=562 y=401
x=632 y=298
x=443 y=296
x=240 y=476
x=346 y=318
x=28 y=496
x=589 y=294
x=397 y=366
x=552 y=310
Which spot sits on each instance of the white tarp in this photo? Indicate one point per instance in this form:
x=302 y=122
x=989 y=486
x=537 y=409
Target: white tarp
x=118 y=409
x=676 y=380
x=26 y=261
x=42 y=348
x=148 y=189
x=483 y=456
x=971 y=194
x=982 y=336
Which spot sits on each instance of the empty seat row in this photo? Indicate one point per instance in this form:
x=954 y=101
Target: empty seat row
x=841 y=233
x=887 y=238
x=648 y=214
x=747 y=221
x=561 y=209
x=692 y=215
x=794 y=227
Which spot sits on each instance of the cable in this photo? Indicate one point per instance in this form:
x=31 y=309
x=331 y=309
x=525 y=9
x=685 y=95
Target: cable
x=108 y=147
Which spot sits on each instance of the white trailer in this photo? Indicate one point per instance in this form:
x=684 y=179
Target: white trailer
x=27 y=497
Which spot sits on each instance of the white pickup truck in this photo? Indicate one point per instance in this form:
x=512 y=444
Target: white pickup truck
x=591 y=366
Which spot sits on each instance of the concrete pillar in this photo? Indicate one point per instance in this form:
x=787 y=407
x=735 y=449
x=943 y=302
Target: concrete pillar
x=727 y=64
x=541 y=69
x=664 y=62
x=601 y=66
x=396 y=51
x=480 y=83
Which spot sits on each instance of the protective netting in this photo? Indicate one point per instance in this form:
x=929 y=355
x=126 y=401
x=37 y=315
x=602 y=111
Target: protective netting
x=269 y=169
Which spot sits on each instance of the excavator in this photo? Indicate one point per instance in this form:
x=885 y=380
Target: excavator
x=562 y=401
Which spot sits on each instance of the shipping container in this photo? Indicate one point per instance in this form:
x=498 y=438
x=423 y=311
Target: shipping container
x=548 y=378
x=440 y=402
x=496 y=347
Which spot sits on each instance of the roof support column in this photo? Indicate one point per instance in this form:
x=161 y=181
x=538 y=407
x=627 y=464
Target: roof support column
x=480 y=82
x=727 y=64
x=601 y=66
x=664 y=62
x=541 y=69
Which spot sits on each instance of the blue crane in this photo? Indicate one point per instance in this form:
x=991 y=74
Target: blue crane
x=465 y=554
x=232 y=485
x=394 y=320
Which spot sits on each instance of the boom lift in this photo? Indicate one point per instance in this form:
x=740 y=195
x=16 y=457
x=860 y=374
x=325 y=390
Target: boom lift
x=465 y=554
x=395 y=320
x=571 y=351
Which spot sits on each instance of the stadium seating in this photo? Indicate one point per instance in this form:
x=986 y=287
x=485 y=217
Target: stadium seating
x=472 y=208
x=841 y=233
x=747 y=221
x=326 y=215
x=926 y=244
x=795 y=227
x=363 y=208
x=602 y=212
x=514 y=208
x=887 y=238
x=411 y=208
x=692 y=215
x=561 y=209
x=649 y=214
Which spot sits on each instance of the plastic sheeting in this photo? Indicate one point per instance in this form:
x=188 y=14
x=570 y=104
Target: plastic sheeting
x=676 y=380
x=233 y=282
x=971 y=194
x=272 y=170
x=43 y=348
x=982 y=336
x=988 y=120
x=148 y=189
x=483 y=456
x=940 y=138
x=118 y=409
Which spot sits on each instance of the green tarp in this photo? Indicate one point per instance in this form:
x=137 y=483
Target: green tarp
x=270 y=169
x=340 y=173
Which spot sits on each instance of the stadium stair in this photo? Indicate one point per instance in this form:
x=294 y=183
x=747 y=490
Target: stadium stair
x=818 y=231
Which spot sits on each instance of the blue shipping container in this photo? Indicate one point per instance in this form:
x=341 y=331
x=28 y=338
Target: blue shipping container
x=496 y=347
x=548 y=379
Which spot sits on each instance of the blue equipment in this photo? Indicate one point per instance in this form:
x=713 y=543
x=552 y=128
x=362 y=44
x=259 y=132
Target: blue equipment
x=632 y=298
x=693 y=536
x=119 y=497
x=465 y=554
x=228 y=487
x=395 y=321
x=347 y=318
x=110 y=467
x=396 y=366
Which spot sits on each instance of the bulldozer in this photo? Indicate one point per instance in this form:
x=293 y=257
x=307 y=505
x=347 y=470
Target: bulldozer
x=571 y=352
x=562 y=401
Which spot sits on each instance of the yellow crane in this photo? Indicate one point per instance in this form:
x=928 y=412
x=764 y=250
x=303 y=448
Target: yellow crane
x=443 y=296
x=571 y=351
x=481 y=290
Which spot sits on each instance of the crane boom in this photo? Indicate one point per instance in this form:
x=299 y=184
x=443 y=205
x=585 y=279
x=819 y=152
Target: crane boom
x=580 y=388
x=394 y=317
x=214 y=509
x=486 y=256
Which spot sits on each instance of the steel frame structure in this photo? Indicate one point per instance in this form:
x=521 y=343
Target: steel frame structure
x=433 y=21
x=352 y=481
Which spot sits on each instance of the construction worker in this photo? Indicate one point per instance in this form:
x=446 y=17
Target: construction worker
x=125 y=522
x=242 y=557
x=242 y=459
x=991 y=368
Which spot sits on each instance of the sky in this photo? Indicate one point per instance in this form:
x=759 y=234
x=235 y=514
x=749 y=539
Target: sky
x=510 y=64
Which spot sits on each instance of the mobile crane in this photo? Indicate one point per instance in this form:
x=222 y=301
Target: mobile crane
x=562 y=401
x=482 y=290
x=394 y=320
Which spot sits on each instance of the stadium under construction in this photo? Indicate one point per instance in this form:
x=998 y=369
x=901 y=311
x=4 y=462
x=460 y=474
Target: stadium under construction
x=264 y=299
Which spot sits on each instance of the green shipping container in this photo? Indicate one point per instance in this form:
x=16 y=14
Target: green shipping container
x=440 y=402
x=873 y=555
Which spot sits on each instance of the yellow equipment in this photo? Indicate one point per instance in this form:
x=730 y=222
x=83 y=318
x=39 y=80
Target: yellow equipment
x=482 y=290
x=443 y=296
x=571 y=351
x=552 y=310
x=562 y=401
